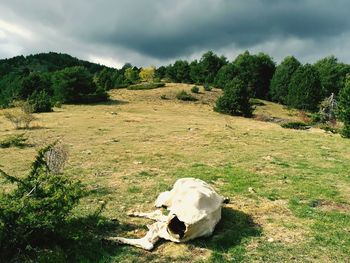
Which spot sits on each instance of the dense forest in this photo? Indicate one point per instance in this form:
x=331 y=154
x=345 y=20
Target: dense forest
x=47 y=79
x=56 y=78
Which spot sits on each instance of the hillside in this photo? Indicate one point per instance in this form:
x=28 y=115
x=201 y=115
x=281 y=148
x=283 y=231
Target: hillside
x=14 y=71
x=289 y=189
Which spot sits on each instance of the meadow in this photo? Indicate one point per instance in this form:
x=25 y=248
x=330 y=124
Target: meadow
x=289 y=189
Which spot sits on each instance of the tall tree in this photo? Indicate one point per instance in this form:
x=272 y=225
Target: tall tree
x=147 y=74
x=226 y=74
x=76 y=85
x=281 y=79
x=332 y=75
x=256 y=72
x=344 y=107
x=265 y=69
x=235 y=100
x=182 y=71
x=304 y=91
x=210 y=64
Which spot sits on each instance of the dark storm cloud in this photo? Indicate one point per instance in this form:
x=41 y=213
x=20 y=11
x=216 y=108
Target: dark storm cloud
x=157 y=31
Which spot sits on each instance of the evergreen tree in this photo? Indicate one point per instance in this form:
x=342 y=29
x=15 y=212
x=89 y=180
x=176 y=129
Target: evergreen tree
x=235 y=100
x=304 y=91
x=332 y=75
x=344 y=108
x=281 y=79
x=226 y=74
x=76 y=85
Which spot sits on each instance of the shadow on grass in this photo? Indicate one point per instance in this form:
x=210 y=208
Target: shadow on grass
x=109 y=102
x=230 y=231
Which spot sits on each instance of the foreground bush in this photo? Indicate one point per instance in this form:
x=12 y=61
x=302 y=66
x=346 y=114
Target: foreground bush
x=33 y=212
x=183 y=95
x=235 y=100
x=146 y=86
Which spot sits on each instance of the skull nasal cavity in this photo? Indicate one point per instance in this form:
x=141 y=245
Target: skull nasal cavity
x=177 y=227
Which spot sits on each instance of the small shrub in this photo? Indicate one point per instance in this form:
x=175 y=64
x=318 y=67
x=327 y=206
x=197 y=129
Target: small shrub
x=330 y=129
x=207 y=87
x=35 y=210
x=183 y=95
x=317 y=118
x=21 y=116
x=18 y=140
x=146 y=86
x=304 y=116
x=195 y=89
x=40 y=102
x=297 y=125
x=163 y=97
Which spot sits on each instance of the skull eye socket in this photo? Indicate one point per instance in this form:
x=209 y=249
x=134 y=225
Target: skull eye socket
x=177 y=227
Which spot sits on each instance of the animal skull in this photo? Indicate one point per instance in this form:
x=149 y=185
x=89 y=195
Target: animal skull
x=194 y=210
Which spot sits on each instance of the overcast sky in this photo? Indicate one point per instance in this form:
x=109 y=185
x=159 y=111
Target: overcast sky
x=155 y=32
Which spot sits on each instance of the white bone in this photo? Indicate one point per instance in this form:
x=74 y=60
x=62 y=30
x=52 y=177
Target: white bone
x=194 y=210
x=156 y=215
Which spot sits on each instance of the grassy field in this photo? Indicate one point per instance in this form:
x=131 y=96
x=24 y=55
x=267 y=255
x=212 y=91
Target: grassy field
x=289 y=189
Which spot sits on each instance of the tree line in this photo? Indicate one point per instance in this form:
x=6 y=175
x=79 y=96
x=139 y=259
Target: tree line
x=47 y=79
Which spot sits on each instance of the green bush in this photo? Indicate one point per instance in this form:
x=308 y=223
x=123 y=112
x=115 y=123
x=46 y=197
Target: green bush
x=76 y=85
x=40 y=101
x=207 y=87
x=33 y=212
x=281 y=79
x=183 y=95
x=304 y=90
x=297 y=125
x=195 y=89
x=328 y=128
x=318 y=118
x=18 y=140
x=235 y=100
x=146 y=86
